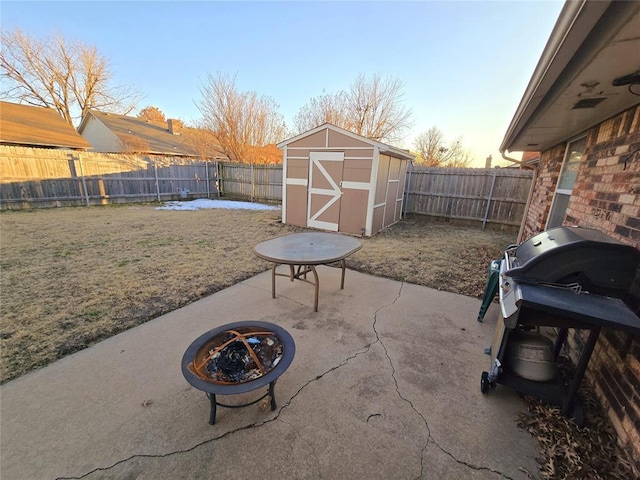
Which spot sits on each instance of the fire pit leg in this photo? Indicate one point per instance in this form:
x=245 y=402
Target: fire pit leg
x=212 y=414
x=272 y=395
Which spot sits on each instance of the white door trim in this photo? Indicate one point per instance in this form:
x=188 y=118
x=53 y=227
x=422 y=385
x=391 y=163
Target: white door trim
x=335 y=192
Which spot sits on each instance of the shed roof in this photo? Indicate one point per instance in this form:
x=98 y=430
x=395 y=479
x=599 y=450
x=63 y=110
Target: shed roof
x=592 y=46
x=32 y=126
x=384 y=148
x=147 y=136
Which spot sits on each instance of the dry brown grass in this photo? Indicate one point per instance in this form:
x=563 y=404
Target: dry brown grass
x=72 y=276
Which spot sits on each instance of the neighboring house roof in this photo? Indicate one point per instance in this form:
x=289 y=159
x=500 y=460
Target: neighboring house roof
x=110 y=132
x=592 y=46
x=30 y=126
x=384 y=148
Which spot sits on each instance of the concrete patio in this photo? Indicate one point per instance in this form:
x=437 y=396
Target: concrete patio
x=385 y=384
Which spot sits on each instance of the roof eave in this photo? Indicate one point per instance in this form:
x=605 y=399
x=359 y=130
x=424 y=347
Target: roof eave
x=45 y=145
x=577 y=18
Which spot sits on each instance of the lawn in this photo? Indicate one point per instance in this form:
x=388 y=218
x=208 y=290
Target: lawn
x=73 y=276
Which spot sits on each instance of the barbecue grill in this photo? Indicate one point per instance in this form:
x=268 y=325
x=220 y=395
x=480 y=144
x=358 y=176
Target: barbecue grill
x=565 y=277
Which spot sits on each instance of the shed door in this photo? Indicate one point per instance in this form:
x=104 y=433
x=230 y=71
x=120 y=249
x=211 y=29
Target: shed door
x=325 y=179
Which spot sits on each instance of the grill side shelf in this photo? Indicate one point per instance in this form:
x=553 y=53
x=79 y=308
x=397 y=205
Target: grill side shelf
x=592 y=310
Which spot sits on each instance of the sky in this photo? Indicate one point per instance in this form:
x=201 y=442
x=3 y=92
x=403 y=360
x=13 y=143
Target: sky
x=464 y=65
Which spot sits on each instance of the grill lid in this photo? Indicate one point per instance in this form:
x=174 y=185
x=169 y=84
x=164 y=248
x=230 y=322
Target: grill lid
x=575 y=255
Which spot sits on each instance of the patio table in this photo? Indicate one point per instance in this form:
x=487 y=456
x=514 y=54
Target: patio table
x=305 y=251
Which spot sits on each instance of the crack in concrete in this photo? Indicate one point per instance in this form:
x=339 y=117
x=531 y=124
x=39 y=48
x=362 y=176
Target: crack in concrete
x=430 y=438
x=342 y=363
x=362 y=351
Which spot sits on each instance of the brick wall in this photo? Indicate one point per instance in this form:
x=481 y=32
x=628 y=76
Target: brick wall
x=606 y=196
x=540 y=205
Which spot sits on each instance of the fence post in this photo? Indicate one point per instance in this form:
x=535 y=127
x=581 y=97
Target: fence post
x=253 y=184
x=406 y=190
x=84 y=180
x=486 y=213
x=217 y=177
x=206 y=175
x=155 y=169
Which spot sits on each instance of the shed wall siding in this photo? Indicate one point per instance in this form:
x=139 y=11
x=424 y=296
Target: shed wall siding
x=318 y=139
x=357 y=170
x=297 y=168
x=353 y=218
x=297 y=205
x=381 y=181
x=606 y=196
x=338 y=140
x=378 y=216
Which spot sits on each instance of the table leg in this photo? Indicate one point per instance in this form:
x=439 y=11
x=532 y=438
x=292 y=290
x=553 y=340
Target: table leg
x=317 y=286
x=273 y=280
x=291 y=273
x=342 y=280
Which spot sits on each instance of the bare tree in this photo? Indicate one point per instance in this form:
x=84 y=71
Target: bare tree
x=372 y=108
x=71 y=78
x=325 y=108
x=203 y=141
x=239 y=120
x=152 y=113
x=433 y=151
x=376 y=109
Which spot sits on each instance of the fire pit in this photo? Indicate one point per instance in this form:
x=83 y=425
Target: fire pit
x=238 y=358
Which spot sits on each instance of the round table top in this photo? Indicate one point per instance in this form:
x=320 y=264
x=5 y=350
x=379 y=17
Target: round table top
x=309 y=248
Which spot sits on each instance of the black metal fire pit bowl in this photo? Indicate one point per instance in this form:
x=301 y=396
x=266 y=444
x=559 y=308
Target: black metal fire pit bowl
x=237 y=358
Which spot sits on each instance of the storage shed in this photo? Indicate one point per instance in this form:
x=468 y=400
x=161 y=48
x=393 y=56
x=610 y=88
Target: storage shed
x=336 y=180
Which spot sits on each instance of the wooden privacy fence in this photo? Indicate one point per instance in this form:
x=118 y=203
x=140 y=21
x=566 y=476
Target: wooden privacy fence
x=36 y=178
x=256 y=183
x=40 y=178
x=92 y=179
x=489 y=195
